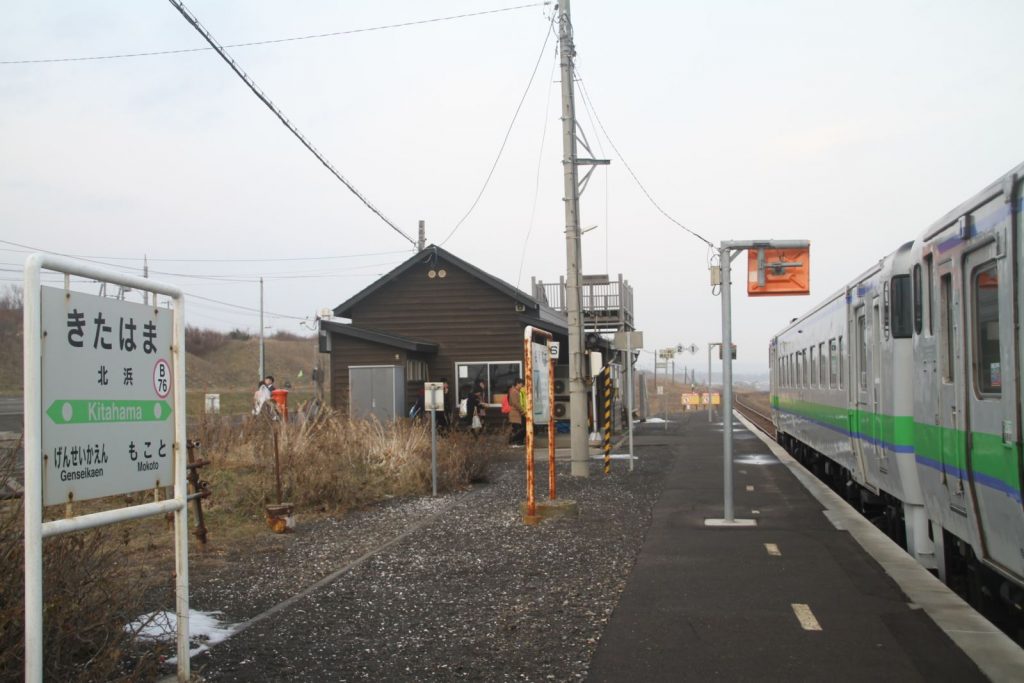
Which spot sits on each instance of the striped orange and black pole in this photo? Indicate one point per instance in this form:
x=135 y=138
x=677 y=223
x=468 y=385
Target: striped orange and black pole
x=607 y=419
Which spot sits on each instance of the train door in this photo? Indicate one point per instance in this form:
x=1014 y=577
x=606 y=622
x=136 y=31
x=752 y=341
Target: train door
x=860 y=356
x=949 y=415
x=993 y=450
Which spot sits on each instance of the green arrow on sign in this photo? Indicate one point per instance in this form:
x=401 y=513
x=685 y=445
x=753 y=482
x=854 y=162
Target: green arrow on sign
x=63 y=412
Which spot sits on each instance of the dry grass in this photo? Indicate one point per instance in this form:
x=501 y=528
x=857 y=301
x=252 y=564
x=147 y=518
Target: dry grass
x=89 y=593
x=98 y=581
x=335 y=463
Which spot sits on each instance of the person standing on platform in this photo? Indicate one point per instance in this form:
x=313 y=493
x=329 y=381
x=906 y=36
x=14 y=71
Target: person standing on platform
x=516 y=413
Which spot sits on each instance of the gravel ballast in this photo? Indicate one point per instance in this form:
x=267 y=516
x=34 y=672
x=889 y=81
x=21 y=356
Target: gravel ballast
x=453 y=588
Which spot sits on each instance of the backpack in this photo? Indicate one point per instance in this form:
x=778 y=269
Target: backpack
x=463 y=407
x=505 y=407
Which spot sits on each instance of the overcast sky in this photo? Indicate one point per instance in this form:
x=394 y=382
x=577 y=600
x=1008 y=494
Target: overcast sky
x=854 y=125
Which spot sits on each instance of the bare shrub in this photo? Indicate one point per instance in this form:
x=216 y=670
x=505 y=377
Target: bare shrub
x=336 y=463
x=239 y=334
x=203 y=342
x=284 y=335
x=11 y=298
x=89 y=596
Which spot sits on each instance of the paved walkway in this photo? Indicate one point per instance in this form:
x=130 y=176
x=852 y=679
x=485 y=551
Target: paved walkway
x=793 y=599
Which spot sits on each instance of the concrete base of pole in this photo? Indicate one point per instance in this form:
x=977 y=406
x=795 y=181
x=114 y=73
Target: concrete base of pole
x=550 y=509
x=730 y=523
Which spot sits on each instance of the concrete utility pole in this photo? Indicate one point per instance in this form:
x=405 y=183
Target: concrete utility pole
x=573 y=285
x=421 y=244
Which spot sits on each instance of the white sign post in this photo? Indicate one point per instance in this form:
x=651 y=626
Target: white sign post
x=433 y=401
x=104 y=415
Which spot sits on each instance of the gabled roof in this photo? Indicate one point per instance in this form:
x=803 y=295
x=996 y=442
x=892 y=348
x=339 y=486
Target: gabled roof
x=434 y=252
x=385 y=338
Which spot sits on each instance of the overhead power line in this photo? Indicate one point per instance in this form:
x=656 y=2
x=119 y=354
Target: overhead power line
x=191 y=19
x=590 y=105
x=274 y=41
x=508 y=132
x=157 y=259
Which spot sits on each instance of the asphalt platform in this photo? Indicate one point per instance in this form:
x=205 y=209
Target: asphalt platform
x=795 y=598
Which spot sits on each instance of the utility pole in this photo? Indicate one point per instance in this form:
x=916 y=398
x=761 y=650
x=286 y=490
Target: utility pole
x=262 y=368
x=145 y=274
x=573 y=285
x=421 y=244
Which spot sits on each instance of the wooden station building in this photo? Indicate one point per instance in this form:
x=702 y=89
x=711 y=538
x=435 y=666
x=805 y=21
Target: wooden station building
x=435 y=317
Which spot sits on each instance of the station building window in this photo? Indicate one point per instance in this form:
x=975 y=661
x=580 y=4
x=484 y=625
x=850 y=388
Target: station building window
x=497 y=377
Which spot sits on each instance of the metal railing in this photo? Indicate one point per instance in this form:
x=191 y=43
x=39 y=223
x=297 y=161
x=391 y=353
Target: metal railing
x=605 y=302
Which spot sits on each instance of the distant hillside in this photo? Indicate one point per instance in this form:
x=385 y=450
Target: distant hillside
x=225 y=364
x=235 y=365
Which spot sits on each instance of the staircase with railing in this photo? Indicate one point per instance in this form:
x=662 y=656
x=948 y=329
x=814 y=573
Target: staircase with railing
x=607 y=304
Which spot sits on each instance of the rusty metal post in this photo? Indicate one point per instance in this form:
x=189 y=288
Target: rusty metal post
x=197 y=488
x=607 y=419
x=277 y=464
x=551 y=425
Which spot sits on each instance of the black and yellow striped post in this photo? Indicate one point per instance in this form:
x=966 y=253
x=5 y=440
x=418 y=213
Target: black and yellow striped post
x=607 y=419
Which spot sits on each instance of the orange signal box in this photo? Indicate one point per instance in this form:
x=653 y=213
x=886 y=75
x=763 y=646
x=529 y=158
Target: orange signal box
x=778 y=272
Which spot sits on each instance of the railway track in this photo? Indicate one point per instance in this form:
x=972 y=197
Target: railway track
x=758 y=418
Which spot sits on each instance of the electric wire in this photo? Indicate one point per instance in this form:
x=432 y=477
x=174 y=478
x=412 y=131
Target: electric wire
x=274 y=41
x=540 y=160
x=590 y=104
x=600 y=148
x=508 y=132
x=27 y=249
x=194 y=22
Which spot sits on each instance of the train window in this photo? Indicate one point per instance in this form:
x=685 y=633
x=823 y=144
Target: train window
x=928 y=294
x=862 y=358
x=839 y=361
x=812 y=369
x=988 y=378
x=900 y=312
x=806 y=370
x=946 y=302
x=833 y=364
x=918 y=301
x=822 y=365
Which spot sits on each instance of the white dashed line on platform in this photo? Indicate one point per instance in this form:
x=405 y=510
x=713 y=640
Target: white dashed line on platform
x=806 y=617
x=773 y=549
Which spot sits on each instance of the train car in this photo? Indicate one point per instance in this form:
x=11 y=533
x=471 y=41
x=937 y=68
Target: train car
x=903 y=390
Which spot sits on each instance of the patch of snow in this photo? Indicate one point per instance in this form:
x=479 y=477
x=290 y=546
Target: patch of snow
x=204 y=627
x=656 y=420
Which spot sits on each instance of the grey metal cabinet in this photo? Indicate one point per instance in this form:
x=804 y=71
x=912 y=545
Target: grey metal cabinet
x=376 y=391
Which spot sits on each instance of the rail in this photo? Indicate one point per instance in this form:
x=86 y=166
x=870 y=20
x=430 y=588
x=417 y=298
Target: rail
x=756 y=417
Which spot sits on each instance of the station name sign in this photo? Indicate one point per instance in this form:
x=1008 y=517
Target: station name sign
x=106 y=396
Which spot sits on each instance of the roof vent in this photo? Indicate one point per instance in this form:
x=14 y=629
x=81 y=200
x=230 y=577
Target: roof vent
x=520 y=307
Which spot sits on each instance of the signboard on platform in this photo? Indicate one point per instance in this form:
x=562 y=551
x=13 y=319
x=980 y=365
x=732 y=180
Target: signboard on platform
x=106 y=401
x=541 y=382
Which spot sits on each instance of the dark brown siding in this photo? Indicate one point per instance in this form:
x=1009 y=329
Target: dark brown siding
x=469 y=320
x=345 y=352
